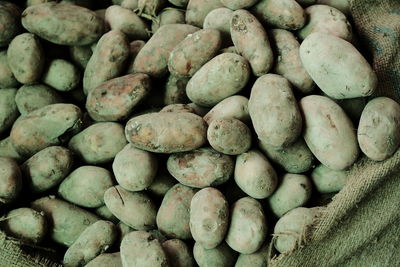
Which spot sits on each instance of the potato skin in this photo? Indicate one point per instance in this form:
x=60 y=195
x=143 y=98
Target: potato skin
x=61 y=75
x=219 y=19
x=235 y=106
x=10 y=15
x=7 y=79
x=7 y=150
x=168 y=15
x=342 y=5
x=8 y=108
x=106 y=260
x=197 y=10
x=10 y=180
x=328 y=132
x=220 y=256
x=178 y=253
x=326 y=180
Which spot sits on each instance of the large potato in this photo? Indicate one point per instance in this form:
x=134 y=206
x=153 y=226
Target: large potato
x=8 y=108
x=221 y=256
x=197 y=10
x=10 y=15
x=328 y=181
x=10 y=180
x=62 y=75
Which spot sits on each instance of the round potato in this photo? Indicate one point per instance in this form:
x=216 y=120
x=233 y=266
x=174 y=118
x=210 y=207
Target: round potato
x=10 y=180
x=8 y=108
x=328 y=181
x=61 y=75
x=235 y=106
x=178 y=253
x=197 y=10
x=221 y=256
x=220 y=19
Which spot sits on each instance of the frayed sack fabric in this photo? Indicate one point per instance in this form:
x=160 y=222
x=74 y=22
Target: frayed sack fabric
x=360 y=227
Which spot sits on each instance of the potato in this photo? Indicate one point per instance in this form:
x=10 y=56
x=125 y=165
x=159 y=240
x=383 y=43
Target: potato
x=289 y=64
x=342 y=5
x=194 y=51
x=378 y=132
x=10 y=180
x=283 y=14
x=93 y=241
x=327 y=180
x=248 y=228
x=251 y=41
x=209 y=217
x=235 y=106
x=67 y=221
x=104 y=213
x=152 y=59
x=108 y=60
x=7 y=150
x=293 y=191
x=150 y=7
x=47 y=126
x=178 y=253
x=274 y=111
x=99 y=143
x=106 y=260
x=26 y=58
x=80 y=55
x=296 y=158
x=134 y=48
x=63 y=23
x=166 y=132
x=255 y=175
x=123 y=230
x=221 y=256
x=221 y=77
x=201 y=167
x=61 y=75
x=7 y=79
x=328 y=132
x=175 y=90
x=129 y=4
x=47 y=168
x=10 y=15
x=197 y=10
x=134 y=169
x=142 y=249
x=238 y=4
x=260 y=258
x=132 y=208
x=168 y=15
x=220 y=19
x=115 y=99
x=126 y=21
x=25 y=224
x=353 y=77
x=8 y=108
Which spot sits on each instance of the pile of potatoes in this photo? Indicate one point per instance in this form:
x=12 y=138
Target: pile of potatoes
x=154 y=133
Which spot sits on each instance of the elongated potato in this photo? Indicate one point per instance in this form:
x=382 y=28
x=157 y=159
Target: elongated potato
x=8 y=108
x=197 y=10
x=10 y=180
x=61 y=75
x=221 y=256
x=106 y=260
x=327 y=180
x=235 y=106
x=7 y=78
x=220 y=19
x=168 y=15
x=178 y=253
x=10 y=16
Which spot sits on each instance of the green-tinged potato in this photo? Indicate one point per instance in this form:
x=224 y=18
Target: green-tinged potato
x=178 y=108
x=63 y=23
x=47 y=168
x=32 y=97
x=293 y=191
x=106 y=260
x=127 y=21
x=353 y=77
x=379 y=128
x=93 y=241
x=105 y=213
x=328 y=181
x=173 y=214
x=291 y=229
x=255 y=175
x=251 y=41
x=99 y=143
x=274 y=111
x=153 y=57
x=328 y=132
x=221 y=256
x=161 y=184
x=47 y=126
x=10 y=15
x=283 y=14
x=7 y=79
x=66 y=221
x=209 y=217
x=220 y=19
x=288 y=62
x=197 y=10
x=129 y=4
x=25 y=57
x=168 y=16
x=61 y=75
x=166 y=132
x=25 y=224
x=7 y=150
x=10 y=180
x=238 y=4
x=221 y=77
x=134 y=169
x=178 y=253
x=142 y=249
x=108 y=60
x=260 y=258
x=296 y=158
x=201 y=167
x=175 y=90
x=85 y=186
x=150 y=7
x=248 y=228
x=235 y=106
x=194 y=51
x=132 y=208
x=342 y=5
x=179 y=3
x=134 y=48
x=80 y=55
x=353 y=107
x=8 y=108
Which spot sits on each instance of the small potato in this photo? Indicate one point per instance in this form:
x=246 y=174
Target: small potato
x=85 y=186
x=26 y=58
x=255 y=175
x=328 y=132
x=166 y=132
x=260 y=258
x=229 y=136
x=293 y=191
x=7 y=150
x=7 y=78
x=8 y=108
x=327 y=180
x=132 y=208
x=201 y=167
x=173 y=214
x=235 y=106
x=178 y=253
x=25 y=224
x=106 y=260
x=251 y=41
x=134 y=169
x=221 y=256
x=67 y=221
x=80 y=55
x=274 y=111
x=238 y=4
x=353 y=77
x=10 y=15
x=61 y=75
x=379 y=128
x=93 y=241
x=47 y=168
x=342 y=5
x=220 y=19
x=221 y=77
x=99 y=143
x=10 y=180
x=142 y=249
x=104 y=213
x=175 y=90
x=197 y=10
x=168 y=15
x=161 y=184
x=209 y=217
x=248 y=227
